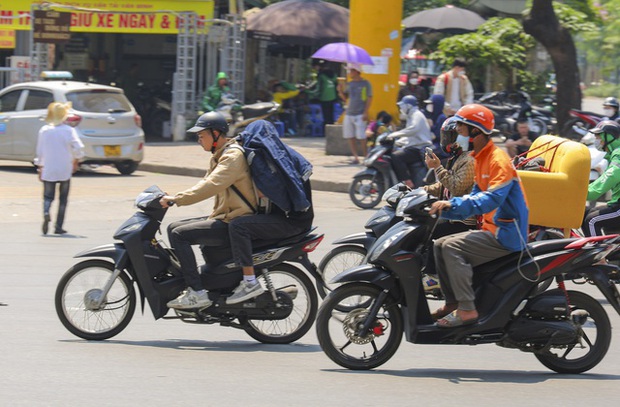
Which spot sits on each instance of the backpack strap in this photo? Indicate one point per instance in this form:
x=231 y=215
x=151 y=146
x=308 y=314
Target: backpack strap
x=243 y=198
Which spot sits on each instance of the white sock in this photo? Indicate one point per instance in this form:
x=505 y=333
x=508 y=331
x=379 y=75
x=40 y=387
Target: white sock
x=250 y=279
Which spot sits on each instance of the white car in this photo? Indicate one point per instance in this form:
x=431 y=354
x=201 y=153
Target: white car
x=105 y=120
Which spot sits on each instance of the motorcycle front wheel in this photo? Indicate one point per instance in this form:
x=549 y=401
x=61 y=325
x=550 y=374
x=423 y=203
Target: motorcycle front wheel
x=82 y=310
x=338 y=326
x=336 y=261
x=366 y=191
x=305 y=303
x=591 y=345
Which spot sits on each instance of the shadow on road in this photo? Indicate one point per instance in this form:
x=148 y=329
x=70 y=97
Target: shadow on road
x=217 y=346
x=457 y=376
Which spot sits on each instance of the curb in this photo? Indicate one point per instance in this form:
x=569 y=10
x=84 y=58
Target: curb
x=317 y=184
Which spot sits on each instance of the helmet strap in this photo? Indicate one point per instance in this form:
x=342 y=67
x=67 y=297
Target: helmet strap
x=215 y=139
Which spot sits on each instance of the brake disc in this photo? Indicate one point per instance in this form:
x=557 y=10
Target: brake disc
x=351 y=324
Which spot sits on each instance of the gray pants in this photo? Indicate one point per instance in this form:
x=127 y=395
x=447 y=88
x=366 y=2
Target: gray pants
x=455 y=257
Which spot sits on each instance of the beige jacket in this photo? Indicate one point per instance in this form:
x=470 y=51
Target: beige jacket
x=228 y=167
x=466 y=90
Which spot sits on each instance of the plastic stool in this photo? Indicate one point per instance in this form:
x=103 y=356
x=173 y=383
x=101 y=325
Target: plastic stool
x=279 y=128
x=337 y=111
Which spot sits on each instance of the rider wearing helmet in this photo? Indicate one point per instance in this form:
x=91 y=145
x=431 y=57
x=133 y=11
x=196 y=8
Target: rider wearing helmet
x=607 y=133
x=611 y=107
x=456 y=179
x=214 y=93
x=415 y=136
x=498 y=196
x=228 y=169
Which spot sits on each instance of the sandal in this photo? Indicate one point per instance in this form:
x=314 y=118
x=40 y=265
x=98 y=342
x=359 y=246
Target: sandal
x=443 y=311
x=453 y=320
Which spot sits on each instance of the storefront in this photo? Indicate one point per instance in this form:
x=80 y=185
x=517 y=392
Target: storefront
x=111 y=42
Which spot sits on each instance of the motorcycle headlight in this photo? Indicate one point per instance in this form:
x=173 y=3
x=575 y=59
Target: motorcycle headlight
x=402 y=204
x=378 y=249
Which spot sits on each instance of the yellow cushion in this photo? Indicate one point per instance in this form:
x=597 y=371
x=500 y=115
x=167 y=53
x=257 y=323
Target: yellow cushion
x=557 y=198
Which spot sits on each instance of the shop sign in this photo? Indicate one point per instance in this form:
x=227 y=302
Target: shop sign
x=136 y=17
x=51 y=26
x=7 y=38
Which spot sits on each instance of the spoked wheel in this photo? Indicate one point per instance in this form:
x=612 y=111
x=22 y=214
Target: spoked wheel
x=295 y=282
x=591 y=345
x=336 y=261
x=338 y=331
x=81 y=308
x=366 y=191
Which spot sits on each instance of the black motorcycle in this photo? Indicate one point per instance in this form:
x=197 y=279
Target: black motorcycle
x=95 y=299
x=369 y=185
x=360 y=324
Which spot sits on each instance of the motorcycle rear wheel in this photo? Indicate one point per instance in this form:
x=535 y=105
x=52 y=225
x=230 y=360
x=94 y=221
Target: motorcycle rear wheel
x=75 y=299
x=336 y=261
x=366 y=191
x=305 y=305
x=595 y=339
x=337 y=329
x=571 y=134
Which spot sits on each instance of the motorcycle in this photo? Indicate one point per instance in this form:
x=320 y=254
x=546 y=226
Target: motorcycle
x=370 y=184
x=239 y=116
x=96 y=299
x=581 y=119
x=360 y=324
x=540 y=119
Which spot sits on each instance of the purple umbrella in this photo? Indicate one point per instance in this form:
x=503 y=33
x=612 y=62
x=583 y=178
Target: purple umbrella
x=343 y=52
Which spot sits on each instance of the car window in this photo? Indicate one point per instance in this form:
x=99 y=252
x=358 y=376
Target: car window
x=38 y=99
x=8 y=102
x=99 y=101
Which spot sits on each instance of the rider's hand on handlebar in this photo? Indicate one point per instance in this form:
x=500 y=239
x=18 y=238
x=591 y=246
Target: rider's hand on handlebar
x=439 y=206
x=166 y=201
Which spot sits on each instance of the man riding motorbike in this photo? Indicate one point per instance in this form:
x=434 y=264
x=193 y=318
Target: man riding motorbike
x=416 y=135
x=228 y=169
x=607 y=134
x=498 y=196
x=611 y=107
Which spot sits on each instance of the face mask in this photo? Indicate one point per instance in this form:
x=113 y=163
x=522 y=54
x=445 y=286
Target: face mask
x=413 y=81
x=429 y=108
x=608 y=112
x=463 y=142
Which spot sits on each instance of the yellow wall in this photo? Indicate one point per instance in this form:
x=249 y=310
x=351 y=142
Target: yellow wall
x=375 y=25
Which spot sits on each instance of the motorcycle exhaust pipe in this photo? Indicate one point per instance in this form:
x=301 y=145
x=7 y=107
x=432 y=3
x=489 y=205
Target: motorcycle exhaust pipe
x=290 y=290
x=580 y=130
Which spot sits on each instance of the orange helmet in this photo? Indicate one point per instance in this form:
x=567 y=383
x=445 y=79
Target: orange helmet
x=477 y=116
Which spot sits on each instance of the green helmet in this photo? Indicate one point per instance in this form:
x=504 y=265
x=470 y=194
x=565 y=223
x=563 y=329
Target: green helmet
x=609 y=131
x=221 y=75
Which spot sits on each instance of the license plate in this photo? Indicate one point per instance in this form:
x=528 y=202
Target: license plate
x=112 y=151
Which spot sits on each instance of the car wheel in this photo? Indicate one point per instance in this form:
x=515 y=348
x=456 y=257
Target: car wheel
x=127 y=167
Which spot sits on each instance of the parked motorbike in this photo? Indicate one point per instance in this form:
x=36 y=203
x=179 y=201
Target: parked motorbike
x=581 y=119
x=95 y=299
x=155 y=108
x=239 y=115
x=360 y=324
x=369 y=185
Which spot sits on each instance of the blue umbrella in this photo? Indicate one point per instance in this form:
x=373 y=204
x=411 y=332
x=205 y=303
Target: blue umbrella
x=343 y=52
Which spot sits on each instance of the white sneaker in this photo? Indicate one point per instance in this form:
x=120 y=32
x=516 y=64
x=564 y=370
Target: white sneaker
x=245 y=291
x=191 y=299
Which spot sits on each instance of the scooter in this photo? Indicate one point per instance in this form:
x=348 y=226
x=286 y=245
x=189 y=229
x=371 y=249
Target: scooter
x=360 y=324
x=96 y=299
x=239 y=116
x=581 y=119
x=369 y=185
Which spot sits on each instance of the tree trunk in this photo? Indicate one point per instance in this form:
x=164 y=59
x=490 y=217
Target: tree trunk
x=543 y=25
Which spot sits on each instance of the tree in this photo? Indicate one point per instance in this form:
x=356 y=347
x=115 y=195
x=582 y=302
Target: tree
x=542 y=23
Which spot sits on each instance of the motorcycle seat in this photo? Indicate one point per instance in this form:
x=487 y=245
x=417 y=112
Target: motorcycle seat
x=257 y=109
x=500 y=109
x=265 y=244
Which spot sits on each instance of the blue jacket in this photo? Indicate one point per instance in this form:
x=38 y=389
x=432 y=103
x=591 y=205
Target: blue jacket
x=278 y=171
x=498 y=196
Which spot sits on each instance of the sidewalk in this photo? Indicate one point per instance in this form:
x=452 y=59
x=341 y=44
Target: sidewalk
x=332 y=173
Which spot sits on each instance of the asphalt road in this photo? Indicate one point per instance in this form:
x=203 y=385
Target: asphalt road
x=161 y=363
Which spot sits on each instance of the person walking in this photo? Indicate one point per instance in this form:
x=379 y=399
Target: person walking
x=455 y=86
x=358 y=93
x=57 y=157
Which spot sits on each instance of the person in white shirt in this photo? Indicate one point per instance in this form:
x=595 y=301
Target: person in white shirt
x=58 y=152
x=455 y=87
